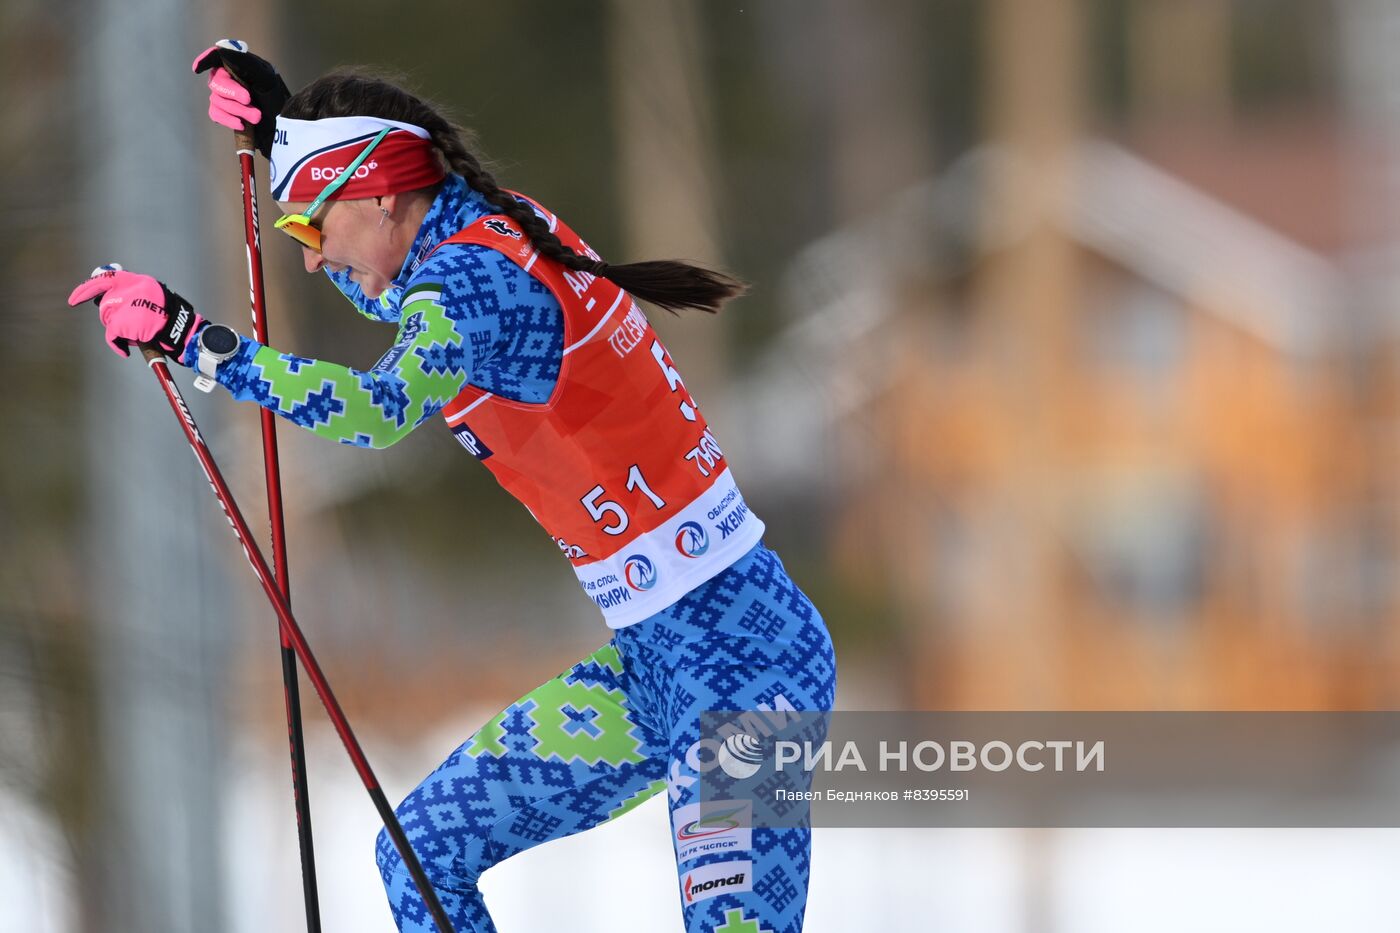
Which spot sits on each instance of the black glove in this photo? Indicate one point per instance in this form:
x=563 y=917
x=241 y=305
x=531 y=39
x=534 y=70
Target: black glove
x=254 y=97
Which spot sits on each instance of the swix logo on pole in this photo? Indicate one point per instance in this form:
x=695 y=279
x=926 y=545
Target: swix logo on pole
x=189 y=422
x=252 y=201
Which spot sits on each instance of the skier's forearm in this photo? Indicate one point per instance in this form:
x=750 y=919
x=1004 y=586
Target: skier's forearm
x=374 y=408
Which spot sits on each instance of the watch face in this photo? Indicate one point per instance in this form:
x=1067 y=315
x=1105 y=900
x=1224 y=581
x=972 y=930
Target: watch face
x=218 y=339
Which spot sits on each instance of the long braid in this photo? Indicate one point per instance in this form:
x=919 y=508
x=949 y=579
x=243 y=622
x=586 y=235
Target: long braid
x=449 y=142
x=669 y=284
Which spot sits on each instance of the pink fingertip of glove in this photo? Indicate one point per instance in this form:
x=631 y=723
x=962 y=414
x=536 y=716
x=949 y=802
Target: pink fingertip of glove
x=101 y=279
x=225 y=85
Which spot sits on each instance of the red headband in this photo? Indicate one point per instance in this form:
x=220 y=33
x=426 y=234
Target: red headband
x=307 y=155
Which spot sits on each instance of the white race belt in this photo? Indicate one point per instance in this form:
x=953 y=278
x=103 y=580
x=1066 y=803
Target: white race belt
x=662 y=565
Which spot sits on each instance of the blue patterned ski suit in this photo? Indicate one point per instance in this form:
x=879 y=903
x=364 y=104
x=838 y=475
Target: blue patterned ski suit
x=620 y=725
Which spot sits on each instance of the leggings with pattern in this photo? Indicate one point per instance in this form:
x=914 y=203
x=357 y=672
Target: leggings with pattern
x=613 y=730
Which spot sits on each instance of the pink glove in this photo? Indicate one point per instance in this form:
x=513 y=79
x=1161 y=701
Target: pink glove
x=245 y=91
x=229 y=102
x=138 y=308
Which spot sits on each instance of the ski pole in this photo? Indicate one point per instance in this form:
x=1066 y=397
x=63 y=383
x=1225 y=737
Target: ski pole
x=292 y=633
x=243 y=143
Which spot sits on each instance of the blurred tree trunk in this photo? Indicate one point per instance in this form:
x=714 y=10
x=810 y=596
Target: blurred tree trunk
x=666 y=166
x=157 y=547
x=876 y=83
x=870 y=60
x=1027 y=294
x=856 y=81
x=46 y=676
x=1179 y=60
x=855 y=77
x=1370 y=82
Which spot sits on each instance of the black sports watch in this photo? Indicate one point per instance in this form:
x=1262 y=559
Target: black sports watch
x=216 y=344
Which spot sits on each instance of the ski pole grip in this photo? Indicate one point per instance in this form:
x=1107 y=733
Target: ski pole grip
x=242 y=139
x=151 y=352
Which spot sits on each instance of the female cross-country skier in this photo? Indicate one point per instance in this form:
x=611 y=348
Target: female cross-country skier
x=536 y=354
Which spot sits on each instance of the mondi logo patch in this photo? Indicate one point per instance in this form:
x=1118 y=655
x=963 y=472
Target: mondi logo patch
x=710 y=880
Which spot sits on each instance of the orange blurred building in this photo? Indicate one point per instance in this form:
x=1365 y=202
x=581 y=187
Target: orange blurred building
x=1108 y=438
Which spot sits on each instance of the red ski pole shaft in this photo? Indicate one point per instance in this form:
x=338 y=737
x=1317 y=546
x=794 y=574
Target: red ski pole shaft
x=292 y=632
x=291 y=691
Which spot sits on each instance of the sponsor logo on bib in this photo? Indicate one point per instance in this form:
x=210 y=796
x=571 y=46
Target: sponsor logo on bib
x=691 y=540
x=640 y=573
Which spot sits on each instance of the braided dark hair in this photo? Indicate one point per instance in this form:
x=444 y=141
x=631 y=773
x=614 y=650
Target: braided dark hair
x=670 y=284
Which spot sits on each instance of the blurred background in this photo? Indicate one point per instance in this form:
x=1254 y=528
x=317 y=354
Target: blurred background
x=1067 y=380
